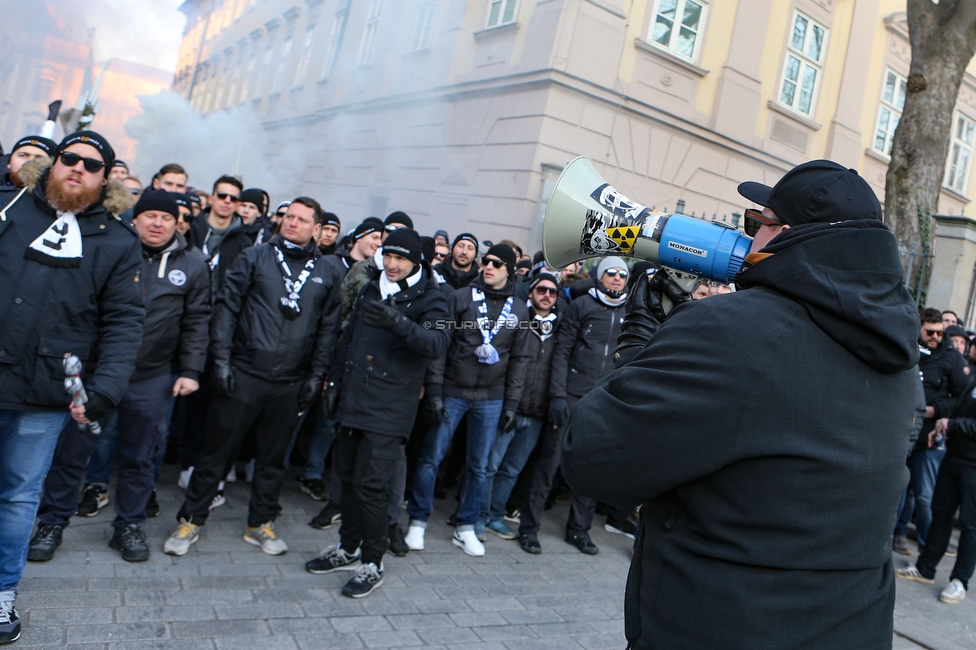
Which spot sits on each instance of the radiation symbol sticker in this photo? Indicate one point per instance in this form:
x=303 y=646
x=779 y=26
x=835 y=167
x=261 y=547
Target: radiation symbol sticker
x=625 y=237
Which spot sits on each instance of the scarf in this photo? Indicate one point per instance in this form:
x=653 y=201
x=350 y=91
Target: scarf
x=389 y=288
x=290 y=306
x=60 y=244
x=487 y=354
x=607 y=300
x=542 y=326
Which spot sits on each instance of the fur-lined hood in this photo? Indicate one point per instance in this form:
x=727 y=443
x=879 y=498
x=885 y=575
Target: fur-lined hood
x=115 y=196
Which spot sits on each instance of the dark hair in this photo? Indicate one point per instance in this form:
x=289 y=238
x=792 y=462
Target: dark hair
x=949 y=311
x=310 y=203
x=931 y=315
x=227 y=180
x=515 y=247
x=171 y=168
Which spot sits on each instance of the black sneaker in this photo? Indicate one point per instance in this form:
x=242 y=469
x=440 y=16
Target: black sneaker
x=398 y=546
x=330 y=515
x=93 y=499
x=152 y=506
x=45 y=542
x=332 y=559
x=624 y=527
x=583 y=542
x=313 y=487
x=9 y=623
x=368 y=577
x=530 y=543
x=131 y=542
x=900 y=545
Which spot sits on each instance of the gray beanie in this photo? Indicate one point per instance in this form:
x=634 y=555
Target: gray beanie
x=610 y=263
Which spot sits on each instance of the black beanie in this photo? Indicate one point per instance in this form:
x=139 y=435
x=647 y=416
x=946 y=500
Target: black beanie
x=157 y=200
x=93 y=139
x=45 y=144
x=405 y=242
x=399 y=217
x=181 y=199
x=505 y=254
x=544 y=276
x=330 y=219
x=254 y=196
x=524 y=264
x=428 y=246
x=372 y=224
x=466 y=236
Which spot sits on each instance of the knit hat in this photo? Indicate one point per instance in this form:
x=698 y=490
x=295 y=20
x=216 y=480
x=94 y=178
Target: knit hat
x=95 y=140
x=254 y=196
x=442 y=232
x=610 y=263
x=45 y=144
x=157 y=200
x=405 y=242
x=400 y=218
x=283 y=204
x=181 y=199
x=120 y=163
x=524 y=264
x=544 y=276
x=465 y=236
x=428 y=246
x=505 y=254
x=330 y=219
x=371 y=224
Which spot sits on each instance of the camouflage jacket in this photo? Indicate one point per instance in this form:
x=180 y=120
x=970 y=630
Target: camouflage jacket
x=360 y=273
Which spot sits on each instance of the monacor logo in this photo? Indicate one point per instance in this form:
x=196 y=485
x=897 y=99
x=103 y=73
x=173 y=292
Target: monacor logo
x=684 y=248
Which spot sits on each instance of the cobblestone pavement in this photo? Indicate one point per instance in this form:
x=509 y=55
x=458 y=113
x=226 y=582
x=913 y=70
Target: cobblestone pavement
x=226 y=594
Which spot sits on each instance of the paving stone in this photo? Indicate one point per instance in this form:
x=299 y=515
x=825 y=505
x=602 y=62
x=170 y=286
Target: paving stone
x=477 y=619
x=405 y=639
x=182 y=644
x=504 y=632
x=164 y=614
x=247 y=643
x=69 y=616
x=360 y=624
x=33 y=636
x=217 y=629
x=419 y=621
x=117 y=632
x=209 y=597
x=333 y=641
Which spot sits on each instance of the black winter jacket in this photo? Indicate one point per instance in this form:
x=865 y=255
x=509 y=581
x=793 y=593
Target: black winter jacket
x=961 y=434
x=944 y=377
x=93 y=310
x=454 y=278
x=585 y=344
x=381 y=373
x=341 y=260
x=765 y=433
x=460 y=374
x=249 y=329
x=535 y=396
x=239 y=238
x=176 y=287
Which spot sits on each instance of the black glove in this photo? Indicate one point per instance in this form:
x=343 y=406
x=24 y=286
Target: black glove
x=223 y=378
x=310 y=391
x=330 y=400
x=558 y=411
x=434 y=410
x=96 y=407
x=645 y=312
x=506 y=423
x=379 y=314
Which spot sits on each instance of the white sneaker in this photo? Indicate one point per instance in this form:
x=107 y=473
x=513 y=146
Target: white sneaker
x=185 y=477
x=218 y=500
x=415 y=538
x=953 y=593
x=180 y=539
x=469 y=542
x=910 y=572
x=231 y=475
x=249 y=471
x=265 y=537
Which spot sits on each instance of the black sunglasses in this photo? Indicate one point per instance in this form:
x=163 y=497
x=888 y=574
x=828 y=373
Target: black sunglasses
x=224 y=196
x=615 y=272
x=92 y=165
x=933 y=333
x=496 y=263
x=545 y=290
x=756 y=220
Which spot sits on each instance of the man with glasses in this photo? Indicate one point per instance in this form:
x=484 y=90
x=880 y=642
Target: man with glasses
x=219 y=233
x=72 y=287
x=134 y=185
x=944 y=378
x=482 y=376
x=585 y=344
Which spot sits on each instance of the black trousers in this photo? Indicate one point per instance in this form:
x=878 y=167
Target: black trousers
x=272 y=409
x=955 y=487
x=366 y=462
x=581 y=509
x=143 y=411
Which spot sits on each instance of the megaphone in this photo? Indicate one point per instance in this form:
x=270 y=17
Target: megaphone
x=586 y=217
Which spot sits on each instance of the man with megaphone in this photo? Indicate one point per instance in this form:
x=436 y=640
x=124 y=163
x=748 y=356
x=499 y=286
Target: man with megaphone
x=769 y=472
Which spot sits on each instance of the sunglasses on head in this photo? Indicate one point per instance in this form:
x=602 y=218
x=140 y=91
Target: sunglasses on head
x=544 y=290
x=393 y=226
x=225 y=196
x=756 y=220
x=933 y=333
x=615 y=272
x=92 y=165
x=485 y=261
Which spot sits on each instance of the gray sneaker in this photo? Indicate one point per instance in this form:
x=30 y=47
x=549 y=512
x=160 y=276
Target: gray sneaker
x=180 y=539
x=900 y=545
x=334 y=558
x=265 y=537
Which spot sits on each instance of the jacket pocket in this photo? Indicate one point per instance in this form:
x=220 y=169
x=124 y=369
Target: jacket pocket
x=47 y=387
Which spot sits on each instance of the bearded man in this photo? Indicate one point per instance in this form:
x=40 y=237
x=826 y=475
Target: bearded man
x=33 y=147
x=71 y=286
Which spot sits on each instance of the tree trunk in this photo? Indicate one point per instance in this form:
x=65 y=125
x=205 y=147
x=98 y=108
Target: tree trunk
x=943 y=41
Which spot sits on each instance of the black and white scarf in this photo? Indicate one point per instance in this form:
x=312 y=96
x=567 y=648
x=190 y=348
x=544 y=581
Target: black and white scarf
x=389 y=288
x=606 y=299
x=290 y=305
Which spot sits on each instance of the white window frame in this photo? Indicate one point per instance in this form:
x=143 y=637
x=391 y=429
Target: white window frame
x=672 y=44
x=961 y=143
x=503 y=6
x=335 y=41
x=370 y=32
x=889 y=111
x=283 y=56
x=302 y=70
x=423 y=27
x=805 y=64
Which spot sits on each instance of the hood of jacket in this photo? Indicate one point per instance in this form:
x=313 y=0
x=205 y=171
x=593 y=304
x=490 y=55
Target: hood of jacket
x=848 y=276
x=115 y=198
x=177 y=244
x=455 y=277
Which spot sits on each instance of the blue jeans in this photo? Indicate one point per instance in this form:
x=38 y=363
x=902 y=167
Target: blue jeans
x=323 y=435
x=27 y=442
x=924 y=467
x=507 y=459
x=483 y=418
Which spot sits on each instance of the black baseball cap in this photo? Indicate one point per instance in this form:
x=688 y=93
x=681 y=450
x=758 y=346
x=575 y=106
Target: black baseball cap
x=819 y=191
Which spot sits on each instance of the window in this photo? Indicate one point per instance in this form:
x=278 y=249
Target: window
x=500 y=12
x=892 y=102
x=248 y=85
x=279 y=79
x=804 y=61
x=677 y=26
x=266 y=68
x=42 y=89
x=369 y=34
x=960 y=154
x=335 y=40
x=423 y=28
x=306 y=56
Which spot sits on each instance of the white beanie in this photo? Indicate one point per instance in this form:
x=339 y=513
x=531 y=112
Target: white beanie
x=610 y=263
